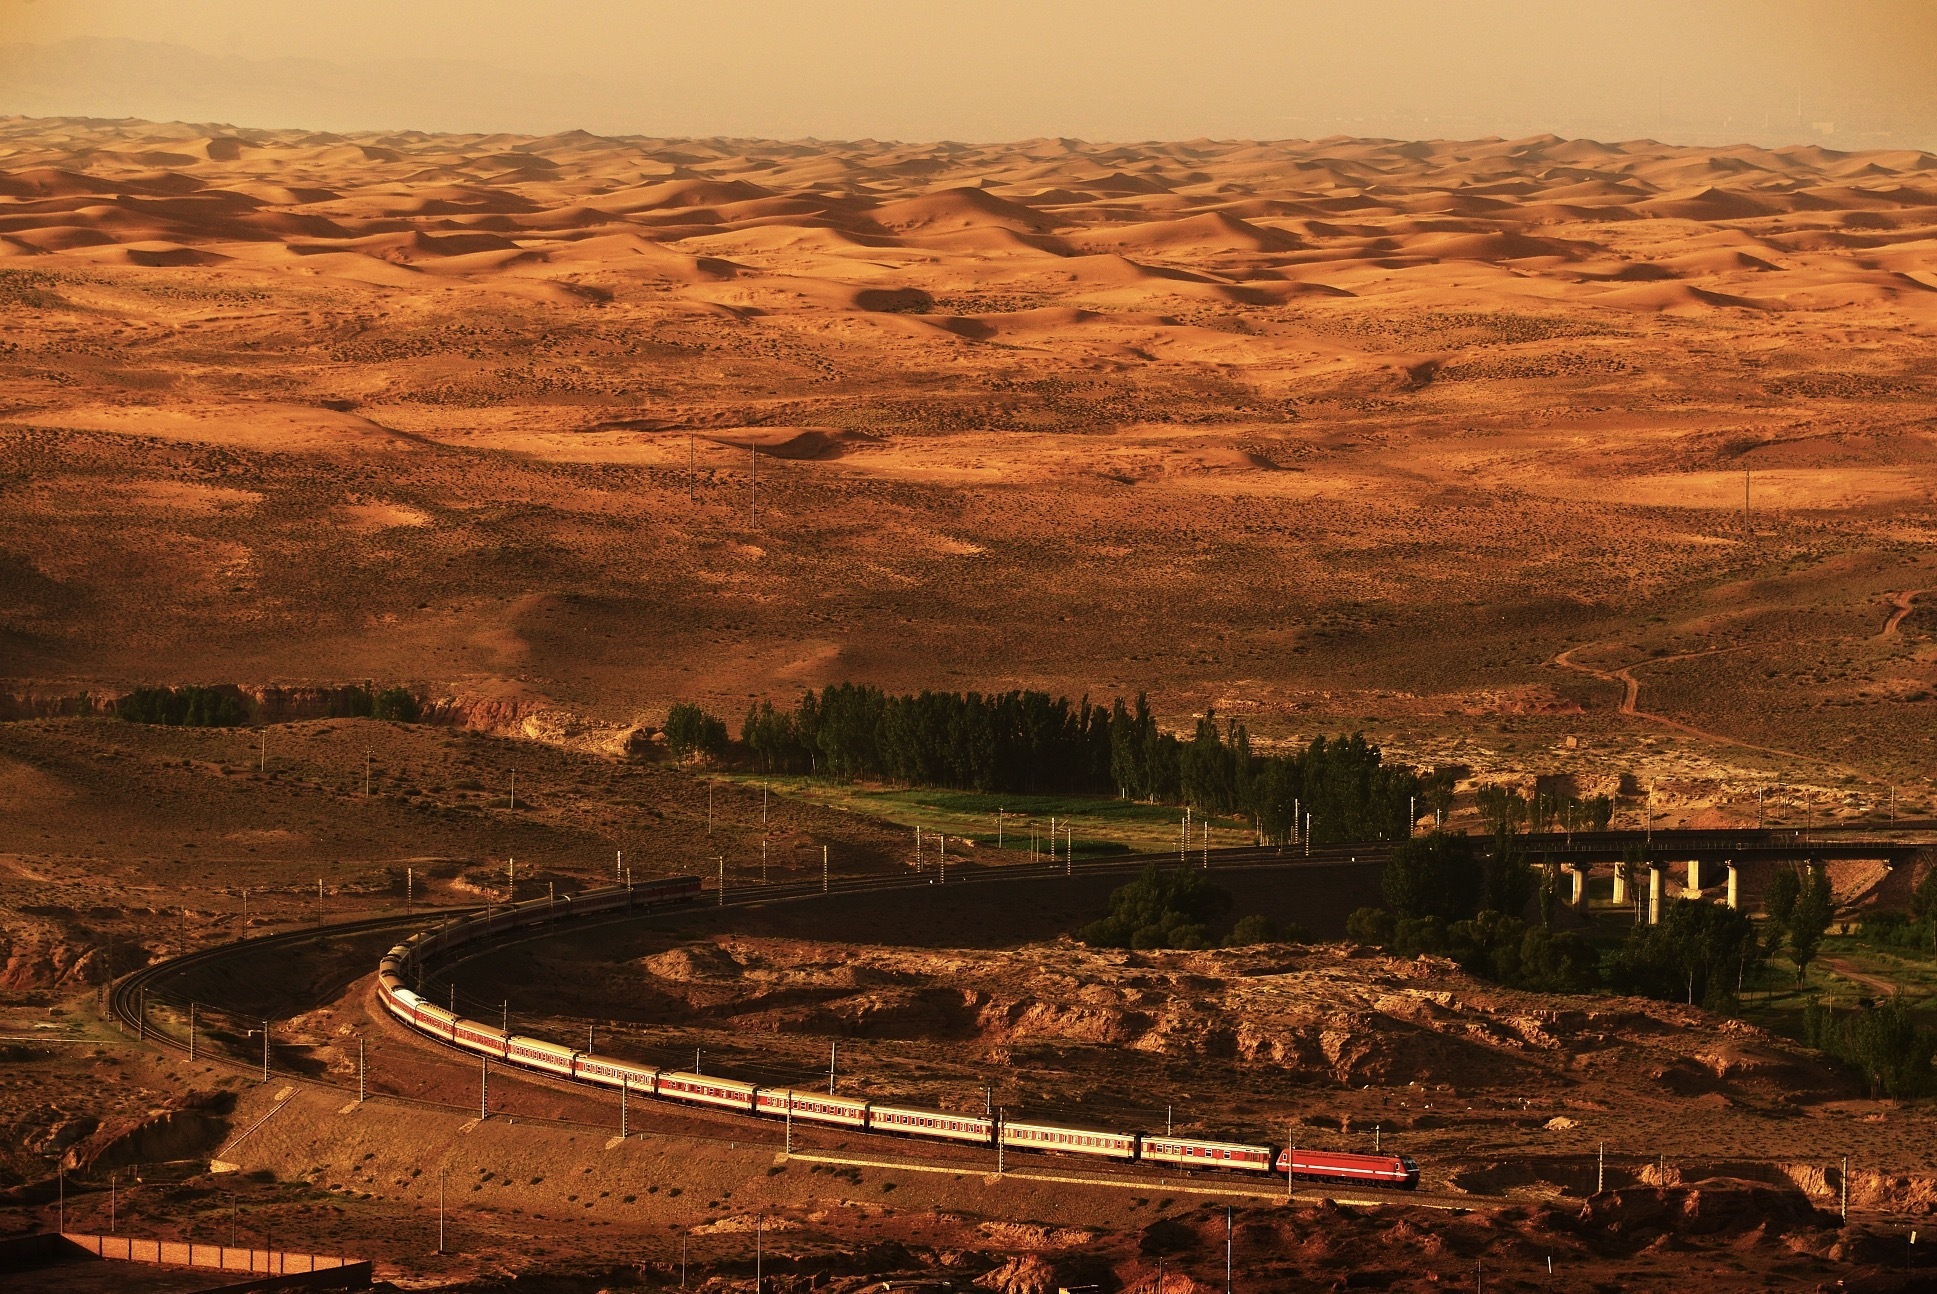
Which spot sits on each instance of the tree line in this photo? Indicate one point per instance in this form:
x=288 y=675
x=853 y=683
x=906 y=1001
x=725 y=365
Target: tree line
x=1026 y=742
x=198 y=706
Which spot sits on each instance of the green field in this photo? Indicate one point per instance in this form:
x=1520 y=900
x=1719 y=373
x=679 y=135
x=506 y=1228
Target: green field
x=1097 y=826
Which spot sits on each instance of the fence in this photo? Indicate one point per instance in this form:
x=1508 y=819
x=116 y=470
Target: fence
x=344 y=1272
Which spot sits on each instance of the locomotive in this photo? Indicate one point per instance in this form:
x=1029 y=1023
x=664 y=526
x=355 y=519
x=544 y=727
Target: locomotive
x=408 y=959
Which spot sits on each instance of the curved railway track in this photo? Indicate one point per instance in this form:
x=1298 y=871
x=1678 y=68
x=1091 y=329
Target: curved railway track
x=126 y=1001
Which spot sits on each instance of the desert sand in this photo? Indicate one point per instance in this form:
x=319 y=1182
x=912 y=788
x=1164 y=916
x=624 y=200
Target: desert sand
x=1323 y=433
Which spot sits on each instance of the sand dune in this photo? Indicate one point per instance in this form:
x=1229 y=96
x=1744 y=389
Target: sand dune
x=1354 y=405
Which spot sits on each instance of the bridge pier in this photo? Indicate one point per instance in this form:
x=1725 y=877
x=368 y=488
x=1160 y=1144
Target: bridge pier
x=1577 y=894
x=1654 y=893
x=1620 y=884
x=1735 y=892
x=1694 y=878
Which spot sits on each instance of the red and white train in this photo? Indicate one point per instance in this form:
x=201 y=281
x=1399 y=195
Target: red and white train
x=409 y=959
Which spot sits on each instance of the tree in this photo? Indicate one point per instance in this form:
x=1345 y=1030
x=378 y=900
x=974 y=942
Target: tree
x=1434 y=875
x=1697 y=954
x=691 y=731
x=1160 y=909
x=1508 y=879
x=1436 y=788
x=1923 y=899
x=1502 y=807
x=1884 y=1042
x=1809 y=920
x=1779 y=900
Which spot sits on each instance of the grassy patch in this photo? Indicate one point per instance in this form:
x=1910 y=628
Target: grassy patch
x=1099 y=826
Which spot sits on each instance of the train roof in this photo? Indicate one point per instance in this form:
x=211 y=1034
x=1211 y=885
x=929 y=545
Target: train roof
x=1160 y=1140
x=1047 y=1126
x=539 y=1044
x=681 y=1075
x=927 y=1113
x=808 y=1094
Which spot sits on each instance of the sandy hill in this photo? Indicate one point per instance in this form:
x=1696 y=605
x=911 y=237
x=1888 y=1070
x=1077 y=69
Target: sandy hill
x=1322 y=433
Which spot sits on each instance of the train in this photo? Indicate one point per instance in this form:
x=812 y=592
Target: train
x=408 y=960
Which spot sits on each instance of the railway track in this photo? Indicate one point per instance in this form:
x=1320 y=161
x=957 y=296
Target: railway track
x=125 y=998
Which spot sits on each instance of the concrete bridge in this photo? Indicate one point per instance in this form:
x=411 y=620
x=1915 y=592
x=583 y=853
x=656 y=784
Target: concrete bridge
x=1705 y=858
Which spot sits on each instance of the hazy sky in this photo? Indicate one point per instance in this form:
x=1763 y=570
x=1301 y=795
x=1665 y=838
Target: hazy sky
x=1851 y=73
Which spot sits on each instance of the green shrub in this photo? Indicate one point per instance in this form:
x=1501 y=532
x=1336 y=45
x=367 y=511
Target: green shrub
x=1898 y=933
x=1369 y=926
x=397 y=704
x=1160 y=909
x=1260 y=929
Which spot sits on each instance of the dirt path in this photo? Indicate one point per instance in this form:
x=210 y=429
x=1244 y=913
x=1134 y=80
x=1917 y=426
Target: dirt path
x=1854 y=976
x=1903 y=602
x=1631 y=699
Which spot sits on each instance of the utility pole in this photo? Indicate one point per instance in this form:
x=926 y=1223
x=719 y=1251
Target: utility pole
x=362 y=1091
x=440 y=1210
x=692 y=480
x=191 y=1031
x=998 y=828
x=263 y=768
x=366 y=770
x=1748 y=525
x=1227 y=1249
x=1600 y=1169
x=265 y=1051
x=625 y=1090
x=757 y=1224
x=763 y=860
x=61 y=1224
x=944 y=861
x=831 y=1045
x=824 y=873
x=484 y=1088
x=1844 y=1183
x=722 y=880
x=1291 y=1158
x=709 y=808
